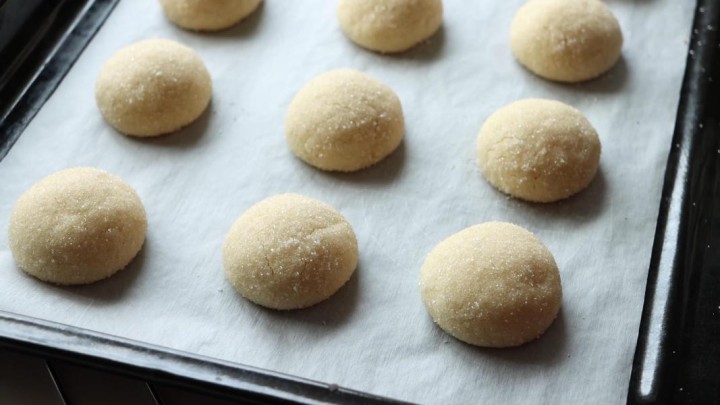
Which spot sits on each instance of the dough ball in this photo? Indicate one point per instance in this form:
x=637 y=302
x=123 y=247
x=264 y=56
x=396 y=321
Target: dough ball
x=344 y=120
x=290 y=252
x=208 y=15
x=492 y=285
x=389 y=25
x=153 y=87
x=566 y=40
x=538 y=150
x=77 y=226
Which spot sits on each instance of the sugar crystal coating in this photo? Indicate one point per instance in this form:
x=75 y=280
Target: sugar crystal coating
x=493 y=285
x=153 y=87
x=389 y=25
x=344 y=120
x=538 y=150
x=289 y=251
x=77 y=226
x=566 y=40
x=208 y=15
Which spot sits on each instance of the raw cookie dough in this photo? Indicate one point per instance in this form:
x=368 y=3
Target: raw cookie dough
x=538 y=150
x=290 y=251
x=389 y=25
x=208 y=15
x=493 y=285
x=153 y=87
x=566 y=40
x=77 y=226
x=344 y=120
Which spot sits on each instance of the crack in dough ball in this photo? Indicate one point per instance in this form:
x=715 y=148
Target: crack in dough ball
x=289 y=252
x=153 y=87
x=208 y=15
x=344 y=120
x=77 y=226
x=538 y=150
x=389 y=25
x=566 y=40
x=493 y=285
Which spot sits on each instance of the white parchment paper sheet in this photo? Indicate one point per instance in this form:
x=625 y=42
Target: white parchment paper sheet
x=374 y=335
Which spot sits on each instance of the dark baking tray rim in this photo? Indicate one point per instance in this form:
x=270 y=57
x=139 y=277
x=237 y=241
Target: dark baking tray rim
x=654 y=375
x=677 y=358
x=217 y=378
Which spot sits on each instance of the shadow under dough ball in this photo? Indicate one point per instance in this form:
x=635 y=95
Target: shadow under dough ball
x=153 y=87
x=344 y=120
x=538 y=150
x=208 y=15
x=77 y=226
x=493 y=285
x=389 y=25
x=566 y=40
x=289 y=252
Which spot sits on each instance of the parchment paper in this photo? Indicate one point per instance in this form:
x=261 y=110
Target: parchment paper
x=374 y=335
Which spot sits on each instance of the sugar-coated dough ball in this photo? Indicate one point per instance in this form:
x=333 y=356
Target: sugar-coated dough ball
x=208 y=15
x=566 y=40
x=538 y=150
x=389 y=25
x=493 y=285
x=344 y=120
x=153 y=87
x=290 y=252
x=77 y=226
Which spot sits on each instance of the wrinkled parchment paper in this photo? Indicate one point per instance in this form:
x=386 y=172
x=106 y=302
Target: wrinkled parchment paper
x=374 y=334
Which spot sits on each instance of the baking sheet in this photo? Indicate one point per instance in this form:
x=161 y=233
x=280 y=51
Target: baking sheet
x=374 y=335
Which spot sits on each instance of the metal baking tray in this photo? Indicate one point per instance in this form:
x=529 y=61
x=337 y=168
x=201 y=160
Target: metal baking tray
x=676 y=361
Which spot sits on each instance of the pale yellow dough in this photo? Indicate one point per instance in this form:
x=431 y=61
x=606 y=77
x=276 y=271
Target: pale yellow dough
x=566 y=40
x=290 y=252
x=493 y=285
x=389 y=25
x=153 y=87
x=208 y=15
x=538 y=150
x=77 y=226
x=344 y=120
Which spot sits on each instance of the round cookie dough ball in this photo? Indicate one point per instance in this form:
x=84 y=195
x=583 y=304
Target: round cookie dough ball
x=289 y=252
x=538 y=150
x=344 y=120
x=566 y=40
x=208 y=15
x=77 y=226
x=492 y=285
x=153 y=87
x=389 y=25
